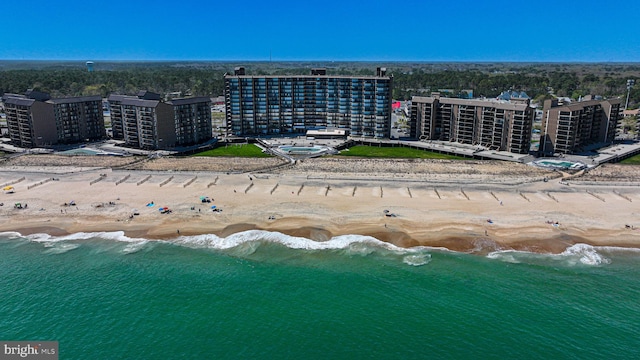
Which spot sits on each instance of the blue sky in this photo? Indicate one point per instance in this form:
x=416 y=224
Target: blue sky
x=373 y=30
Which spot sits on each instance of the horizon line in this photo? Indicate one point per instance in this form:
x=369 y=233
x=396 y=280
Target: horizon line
x=329 y=61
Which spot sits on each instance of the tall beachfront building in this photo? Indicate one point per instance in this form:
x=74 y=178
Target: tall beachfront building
x=571 y=127
x=34 y=119
x=79 y=119
x=495 y=124
x=146 y=122
x=292 y=104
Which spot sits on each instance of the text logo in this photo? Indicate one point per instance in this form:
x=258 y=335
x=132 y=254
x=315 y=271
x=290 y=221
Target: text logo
x=38 y=350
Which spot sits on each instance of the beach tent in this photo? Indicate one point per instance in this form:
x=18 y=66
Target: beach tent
x=7 y=188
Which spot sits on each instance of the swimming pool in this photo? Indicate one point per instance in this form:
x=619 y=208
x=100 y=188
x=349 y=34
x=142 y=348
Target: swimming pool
x=560 y=164
x=302 y=150
x=80 y=151
x=305 y=151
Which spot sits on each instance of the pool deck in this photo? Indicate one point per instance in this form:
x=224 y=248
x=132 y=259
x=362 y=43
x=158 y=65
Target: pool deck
x=553 y=163
x=301 y=153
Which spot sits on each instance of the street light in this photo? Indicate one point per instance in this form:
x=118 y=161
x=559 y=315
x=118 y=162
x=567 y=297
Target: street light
x=630 y=84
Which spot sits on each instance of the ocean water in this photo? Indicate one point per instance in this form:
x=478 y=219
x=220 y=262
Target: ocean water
x=262 y=295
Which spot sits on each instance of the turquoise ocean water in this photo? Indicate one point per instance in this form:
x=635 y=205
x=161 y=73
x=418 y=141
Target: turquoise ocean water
x=259 y=295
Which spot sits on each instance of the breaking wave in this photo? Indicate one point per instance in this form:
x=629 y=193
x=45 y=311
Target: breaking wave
x=586 y=254
x=247 y=243
x=417 y=259
x=239 y=244
x=576 y=254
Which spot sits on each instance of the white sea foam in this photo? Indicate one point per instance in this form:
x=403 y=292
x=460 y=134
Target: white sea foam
x=134 y=247
x=61 y=248
x=586 y=254
x=510 y=256
x=617 y=249
x=113 y=235
x=293 y=242
x=40 y=237
x=417 y=259
x=59 y=245
x=247 y=242
x=577 y=253
x=10 y=235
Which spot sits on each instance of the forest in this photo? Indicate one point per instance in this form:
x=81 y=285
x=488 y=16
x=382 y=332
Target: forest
x=538 y=80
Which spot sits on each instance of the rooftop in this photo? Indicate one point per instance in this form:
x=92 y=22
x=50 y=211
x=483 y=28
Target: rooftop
x=76 y=99
x=500 y=104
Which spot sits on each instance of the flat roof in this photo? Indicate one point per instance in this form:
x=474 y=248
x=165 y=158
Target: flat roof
x=139 y=102
x=500 y=104
x=190 y=100
x=19 y=101
x=579 y=105
x=114 y=97
x=75 y=99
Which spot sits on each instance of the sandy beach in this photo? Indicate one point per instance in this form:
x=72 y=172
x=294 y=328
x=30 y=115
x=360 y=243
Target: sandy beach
x=464 y=206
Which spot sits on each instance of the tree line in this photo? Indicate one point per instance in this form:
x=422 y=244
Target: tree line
x=539 y=81
x=80 y=82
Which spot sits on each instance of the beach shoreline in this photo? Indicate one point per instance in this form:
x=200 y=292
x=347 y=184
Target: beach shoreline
x=454 y=239
x=467 y=206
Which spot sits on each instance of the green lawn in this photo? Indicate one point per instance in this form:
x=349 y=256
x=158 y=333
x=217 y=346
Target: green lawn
x=396 y=152
x=634 y=160
x=244 y=150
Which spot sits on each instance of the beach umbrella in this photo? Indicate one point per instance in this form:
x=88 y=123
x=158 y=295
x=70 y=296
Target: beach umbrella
x=213 y=206
x=7 y=188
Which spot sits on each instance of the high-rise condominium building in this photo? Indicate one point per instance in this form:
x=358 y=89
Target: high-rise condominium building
x=35 y=120
x=146 y=122
x=79 y=119
x=570 y=127
x=495 y=124
x=270 y=105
